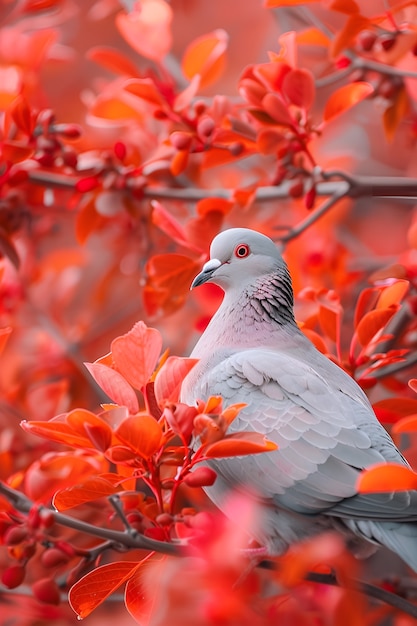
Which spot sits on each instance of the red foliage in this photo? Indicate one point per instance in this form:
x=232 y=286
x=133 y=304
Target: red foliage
x=130 y=134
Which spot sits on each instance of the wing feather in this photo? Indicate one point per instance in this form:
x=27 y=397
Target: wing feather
x=326 y=432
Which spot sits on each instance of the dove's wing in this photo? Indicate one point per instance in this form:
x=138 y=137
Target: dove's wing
x=325 y=436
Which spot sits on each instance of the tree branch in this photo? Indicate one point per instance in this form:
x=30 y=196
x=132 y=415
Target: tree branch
x=126 y=539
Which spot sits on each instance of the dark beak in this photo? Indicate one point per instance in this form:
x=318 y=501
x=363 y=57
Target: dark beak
x=206 y=273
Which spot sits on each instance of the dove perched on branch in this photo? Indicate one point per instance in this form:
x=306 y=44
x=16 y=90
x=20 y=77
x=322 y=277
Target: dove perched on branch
x=253 y=352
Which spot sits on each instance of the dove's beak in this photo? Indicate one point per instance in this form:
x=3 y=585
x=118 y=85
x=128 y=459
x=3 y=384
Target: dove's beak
x=206 y=273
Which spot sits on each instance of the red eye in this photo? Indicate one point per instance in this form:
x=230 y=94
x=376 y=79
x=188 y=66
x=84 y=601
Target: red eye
x=242 y=250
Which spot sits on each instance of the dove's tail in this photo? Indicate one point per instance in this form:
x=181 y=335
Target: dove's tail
x=400 y=538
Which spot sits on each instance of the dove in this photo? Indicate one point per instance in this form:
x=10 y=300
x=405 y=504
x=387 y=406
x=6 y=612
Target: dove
x=326 y=431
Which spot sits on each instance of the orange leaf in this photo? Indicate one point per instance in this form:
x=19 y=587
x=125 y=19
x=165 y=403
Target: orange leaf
x=386 y=477
x=93 y=588
x=405 y=425
x=112 y=60
x=96 y=429
x=270 y=4
x=4 y=335
x=142 y=433
x=147 y=28
x=345 y=98
x=344 y=38
x=22 y=115
x=344 y=6
x=239 y=444
x=170 y=377
x=88 y=221
x=179 y=162
x=313 y=37
x=91 y=489
x=142 y=595
x=168 y=282
x=372 y=323
x=395 y=113
x=167 y=223
x=206 y=57
x=57 y=431
x=393 y=294
x=114 y=385
x=136 y=353
x=299 y=87
x=391 y=409
x=145 y=89
x=367 y=300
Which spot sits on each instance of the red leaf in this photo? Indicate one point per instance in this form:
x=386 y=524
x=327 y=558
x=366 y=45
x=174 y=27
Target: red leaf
x=22 y=115
x=145 y=89
x=114 y=385
x=405 y=425
x=135 y=354
x=167 y=223
x=170 y=377
x=206 y=57
x=299 y=87
x=147 y=28
x=367 y=300
x=96 y=429
x=276 y=108
x=372 y=323
x=112 y=60
x=91 y=489
x=393 y=294
x=345 y=98
x=239 y=444
x=168 y=282
x=386 y=477
x=57 y=431
x=142 y=433
x=391 y=409
x=142 y=595
x=344 y=38
x=396 y=112
x=4 y=335
x=93 y=588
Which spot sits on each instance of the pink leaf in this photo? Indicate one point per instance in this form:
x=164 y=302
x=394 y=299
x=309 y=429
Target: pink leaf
x=169 y=379
x=147 y=28
x=114 y=385
x=135 y=354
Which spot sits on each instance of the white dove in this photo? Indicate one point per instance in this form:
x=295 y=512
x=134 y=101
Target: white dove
x=326 y=431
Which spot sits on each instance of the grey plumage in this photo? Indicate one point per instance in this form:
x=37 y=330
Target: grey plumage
x=326 y=431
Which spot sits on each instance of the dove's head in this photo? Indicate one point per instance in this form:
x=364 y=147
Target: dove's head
x=238 y=257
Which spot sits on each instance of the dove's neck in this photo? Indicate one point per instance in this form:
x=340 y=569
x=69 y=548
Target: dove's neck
x=259 y=314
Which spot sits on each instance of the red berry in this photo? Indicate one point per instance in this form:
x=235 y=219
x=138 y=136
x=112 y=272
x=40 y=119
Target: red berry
x=53 y=558
x=206 y=126
x=387 y=41
x=181 y=140
x=366 y=40
x=47 y=591
x=201 y=477
x=13 y=576
x=236 y=148
x=15 y=535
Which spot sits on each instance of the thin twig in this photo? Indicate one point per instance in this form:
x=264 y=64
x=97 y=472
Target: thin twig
x=367 y=589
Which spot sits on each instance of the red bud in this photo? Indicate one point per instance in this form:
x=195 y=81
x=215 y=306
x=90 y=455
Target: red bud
x=47 y=591
x=13 y=576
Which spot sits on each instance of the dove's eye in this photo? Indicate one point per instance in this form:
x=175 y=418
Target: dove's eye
x=242 y=250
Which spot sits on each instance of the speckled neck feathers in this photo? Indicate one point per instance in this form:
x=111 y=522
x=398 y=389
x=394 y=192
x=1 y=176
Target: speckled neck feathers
x=254 y=315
